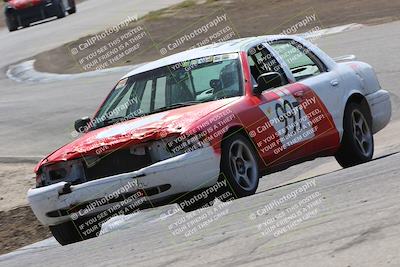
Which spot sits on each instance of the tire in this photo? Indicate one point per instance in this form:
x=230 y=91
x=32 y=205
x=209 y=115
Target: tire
x=191 y=202
x=11 y=23
x=239 y=166
x=72 y=7
x=68 y=233
x=61 y=10
x=357 y=144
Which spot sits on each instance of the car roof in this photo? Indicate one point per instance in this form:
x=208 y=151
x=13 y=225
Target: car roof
x=231 y=46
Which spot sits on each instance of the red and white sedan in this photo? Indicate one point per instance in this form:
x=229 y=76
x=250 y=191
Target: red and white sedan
x=208 y=123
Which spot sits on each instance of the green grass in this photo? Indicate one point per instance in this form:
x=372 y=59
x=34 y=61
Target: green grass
x=155 y=15
x=185 y=4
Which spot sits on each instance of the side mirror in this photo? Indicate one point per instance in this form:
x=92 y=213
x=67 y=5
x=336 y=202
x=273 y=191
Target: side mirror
x=267 y=81
x=81 y=125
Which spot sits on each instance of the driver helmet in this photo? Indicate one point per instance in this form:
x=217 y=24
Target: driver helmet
x=229 y=76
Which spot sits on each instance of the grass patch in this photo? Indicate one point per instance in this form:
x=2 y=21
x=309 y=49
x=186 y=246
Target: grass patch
x=170 y=11
x=186 y=4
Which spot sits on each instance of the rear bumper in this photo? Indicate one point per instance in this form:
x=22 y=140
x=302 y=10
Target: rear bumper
x=184 y=173
x=381 y=109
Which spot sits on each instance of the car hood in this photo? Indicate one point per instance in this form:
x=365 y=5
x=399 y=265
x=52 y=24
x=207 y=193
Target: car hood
x=21 y=4
x=139 y=130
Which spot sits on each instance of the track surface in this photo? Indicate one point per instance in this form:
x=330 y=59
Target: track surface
x=357 y=223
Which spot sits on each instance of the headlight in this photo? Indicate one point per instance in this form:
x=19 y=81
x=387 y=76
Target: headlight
x=39 y=179
x=70 y=171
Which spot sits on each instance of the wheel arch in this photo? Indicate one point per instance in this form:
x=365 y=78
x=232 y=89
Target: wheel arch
x=360 y=99
x=234 y=129
x=240 y=129
x=347 y=154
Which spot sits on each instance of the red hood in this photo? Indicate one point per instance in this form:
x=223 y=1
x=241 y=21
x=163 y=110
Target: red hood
x=21 y=4
x=153 y=127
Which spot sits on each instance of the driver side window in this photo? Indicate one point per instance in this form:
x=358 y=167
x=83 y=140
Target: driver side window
x=301 y=61
x=261 y=61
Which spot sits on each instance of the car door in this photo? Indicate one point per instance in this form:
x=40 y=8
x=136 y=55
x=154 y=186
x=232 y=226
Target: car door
x=318 y=89
x=281 y=129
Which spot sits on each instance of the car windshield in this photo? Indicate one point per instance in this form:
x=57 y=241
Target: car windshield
x=186 y=83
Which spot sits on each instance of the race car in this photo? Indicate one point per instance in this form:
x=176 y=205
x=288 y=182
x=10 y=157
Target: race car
x=208 y=123
x=21 y=13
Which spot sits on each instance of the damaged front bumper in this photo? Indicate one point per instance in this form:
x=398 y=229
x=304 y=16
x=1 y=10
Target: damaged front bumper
x=55 y=204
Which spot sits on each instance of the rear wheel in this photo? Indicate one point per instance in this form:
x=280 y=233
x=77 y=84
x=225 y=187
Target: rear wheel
x=11 y=23
x=61 y=10
x=239 y=166
x=72 y=7
x=358 y=142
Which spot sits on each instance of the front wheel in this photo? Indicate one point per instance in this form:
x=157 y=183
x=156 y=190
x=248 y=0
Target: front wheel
x=68 y=232
x=358 y=142
x=239 y=166
x=11 y=23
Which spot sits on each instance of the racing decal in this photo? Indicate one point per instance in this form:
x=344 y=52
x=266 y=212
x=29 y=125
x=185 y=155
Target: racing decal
x=286 y=115
x=291 y=122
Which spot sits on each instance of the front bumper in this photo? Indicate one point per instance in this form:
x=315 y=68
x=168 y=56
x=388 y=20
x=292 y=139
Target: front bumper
x=184 y=173
x=381 y=109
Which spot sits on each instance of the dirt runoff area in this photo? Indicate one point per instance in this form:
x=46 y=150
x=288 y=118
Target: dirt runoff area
x=18 y=225
x=241 y=17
